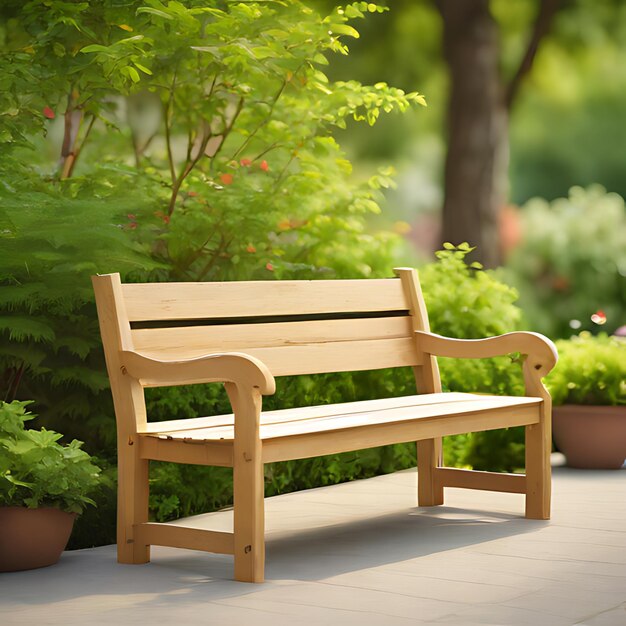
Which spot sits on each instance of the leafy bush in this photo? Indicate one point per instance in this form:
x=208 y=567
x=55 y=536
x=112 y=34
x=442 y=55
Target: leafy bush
x=591 y=370
x=226 y=116
x=53 y=236
x=35 y=471
x=571 y=264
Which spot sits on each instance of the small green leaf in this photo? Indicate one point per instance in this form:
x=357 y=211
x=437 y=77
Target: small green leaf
x=95 y=48
x=344 y=29
x=143 y=68
x=156 y=12
x=134 y=74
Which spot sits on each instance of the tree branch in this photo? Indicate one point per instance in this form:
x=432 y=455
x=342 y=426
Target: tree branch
x=541 y=27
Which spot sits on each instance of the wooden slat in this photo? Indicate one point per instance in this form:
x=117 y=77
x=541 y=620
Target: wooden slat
x=308 y=412
x=487 y=481
x=180 y=451
x=173 y=301
x=316 y=358
x=199 y=340
x=334 y=442
x=327 y=421
x=182 y=537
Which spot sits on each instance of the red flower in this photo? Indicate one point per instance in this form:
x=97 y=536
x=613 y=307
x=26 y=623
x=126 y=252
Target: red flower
x=49 y=113
x=227 y=179
x=250 y=248
x=269 y=267
x=193 y=194
x=131 y=217
x=245 y=162
x=264 y=166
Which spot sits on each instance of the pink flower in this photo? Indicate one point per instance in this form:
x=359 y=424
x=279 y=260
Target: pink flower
x=599 y=317
x=269 y=267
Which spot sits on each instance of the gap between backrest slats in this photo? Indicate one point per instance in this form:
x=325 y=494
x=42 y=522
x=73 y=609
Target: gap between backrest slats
x=188 y=301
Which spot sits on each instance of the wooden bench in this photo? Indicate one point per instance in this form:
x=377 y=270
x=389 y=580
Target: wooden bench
x=246 y=333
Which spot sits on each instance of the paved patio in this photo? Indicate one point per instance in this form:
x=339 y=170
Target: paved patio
x=362 y=553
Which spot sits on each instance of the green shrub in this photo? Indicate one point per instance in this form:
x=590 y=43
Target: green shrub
x=571 y=263
x=591 y=370
x=36 y=471
x=226 y=116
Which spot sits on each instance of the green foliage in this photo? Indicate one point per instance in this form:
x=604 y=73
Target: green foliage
x=226 y=115
x=591 y=370
x=54 y=235
x=36 y=471
x=571 y=263
x=467 y=302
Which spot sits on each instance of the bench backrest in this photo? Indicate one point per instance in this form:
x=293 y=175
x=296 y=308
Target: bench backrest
x=294 y=327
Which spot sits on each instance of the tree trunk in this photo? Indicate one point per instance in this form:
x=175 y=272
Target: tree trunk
x=477 y=159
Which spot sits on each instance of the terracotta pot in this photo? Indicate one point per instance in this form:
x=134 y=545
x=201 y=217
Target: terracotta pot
x=591 y=437
x=32 y=538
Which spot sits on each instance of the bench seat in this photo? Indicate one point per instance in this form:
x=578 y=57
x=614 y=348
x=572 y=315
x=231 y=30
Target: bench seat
x=413 y=417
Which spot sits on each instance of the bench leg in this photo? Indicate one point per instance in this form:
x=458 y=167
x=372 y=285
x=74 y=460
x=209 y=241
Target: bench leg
x=248 y=487
x=249 y=519
x=429 y=457
x=132 y=502
x=538 y=471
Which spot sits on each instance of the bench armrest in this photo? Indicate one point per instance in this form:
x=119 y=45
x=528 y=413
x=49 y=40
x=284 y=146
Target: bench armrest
x=232 y=367
x=540 y=352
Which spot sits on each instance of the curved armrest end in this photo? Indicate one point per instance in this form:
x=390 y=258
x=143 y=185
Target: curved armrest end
x=541 y=353
x=238 y=368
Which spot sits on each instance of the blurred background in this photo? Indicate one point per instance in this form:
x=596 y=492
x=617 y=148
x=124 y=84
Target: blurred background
x=526 y=100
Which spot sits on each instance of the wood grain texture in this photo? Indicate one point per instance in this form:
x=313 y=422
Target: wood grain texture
x=201 y=340
x=336 y=441
x=427 y=380
x=299 y=422
x=242 y=369
x=487 y=481
x=152 y=533
x=175 y=301
x=130 y=412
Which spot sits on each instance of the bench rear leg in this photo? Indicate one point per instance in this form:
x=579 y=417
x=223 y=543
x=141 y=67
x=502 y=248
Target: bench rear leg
x=132 y=502
x=249 y=518
x=429 y=457
x=538 y=471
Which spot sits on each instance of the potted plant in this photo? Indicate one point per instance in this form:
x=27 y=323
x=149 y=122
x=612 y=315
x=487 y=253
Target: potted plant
x=588 y=389
x=43 y=486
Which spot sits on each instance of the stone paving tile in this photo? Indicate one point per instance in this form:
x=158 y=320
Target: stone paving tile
x=442 y=589
x=363 y=553
x=611 y=617
x=574 y=605
x=353 y=600
x=495 y=615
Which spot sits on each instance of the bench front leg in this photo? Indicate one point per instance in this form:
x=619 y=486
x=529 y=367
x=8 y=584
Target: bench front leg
x=429 y=458
x=248 y=485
